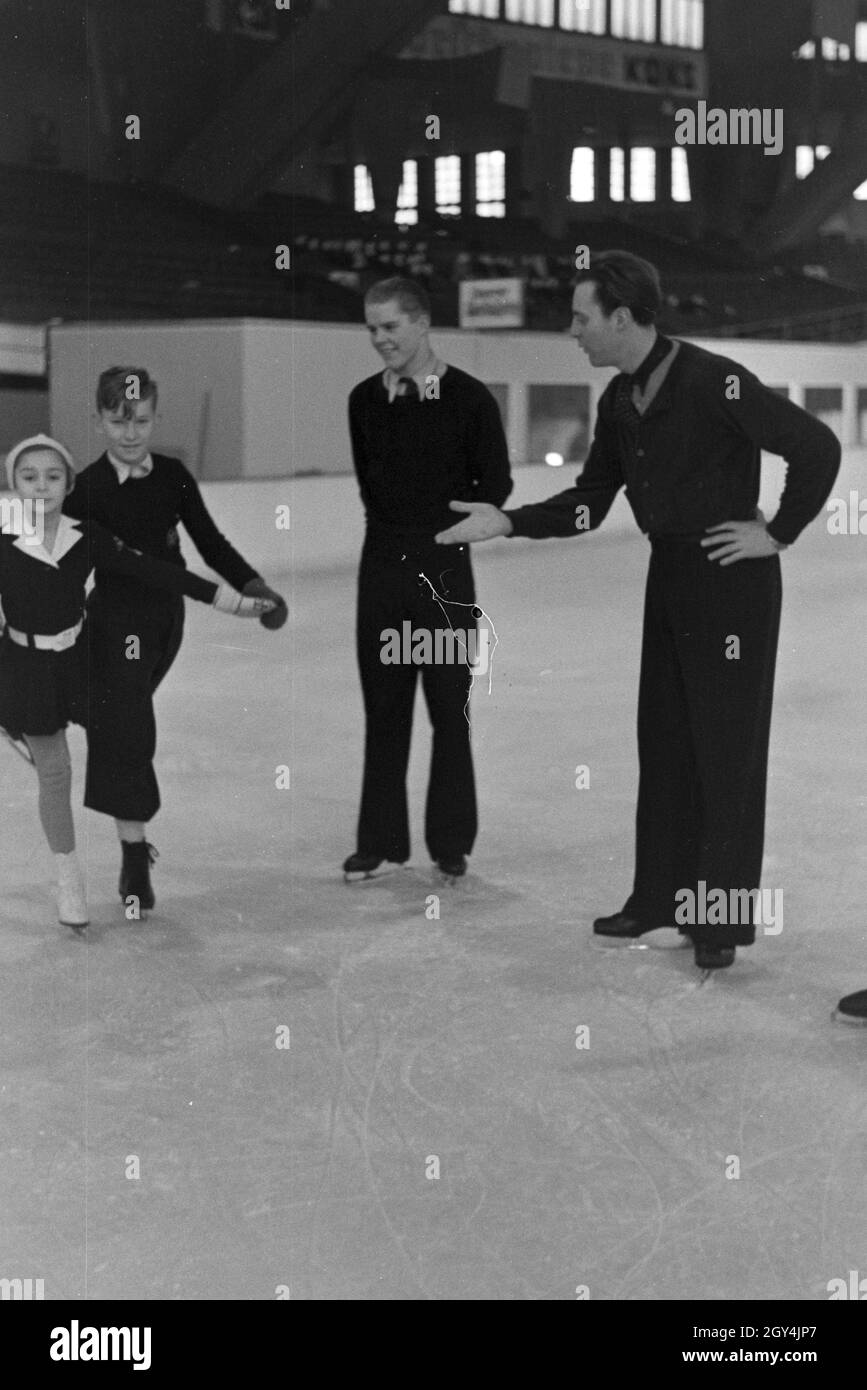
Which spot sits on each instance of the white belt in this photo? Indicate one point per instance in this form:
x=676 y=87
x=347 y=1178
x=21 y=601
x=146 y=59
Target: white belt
x=56 y=642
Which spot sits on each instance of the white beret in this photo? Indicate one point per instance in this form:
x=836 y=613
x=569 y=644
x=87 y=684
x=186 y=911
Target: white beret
x=37 y=441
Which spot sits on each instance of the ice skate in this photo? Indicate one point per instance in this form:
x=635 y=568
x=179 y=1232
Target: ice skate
x=71 y=901
x=452 y=867
x=135 y=878
x=852 y=1008
x=713 y=957
x=359 y=867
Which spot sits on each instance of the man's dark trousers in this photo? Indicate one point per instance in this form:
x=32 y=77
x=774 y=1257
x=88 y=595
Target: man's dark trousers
x=391 y=592
x=704 y=722
x=122 y=735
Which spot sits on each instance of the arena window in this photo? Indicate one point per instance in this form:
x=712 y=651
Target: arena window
x=363 y=189
x=861 y=192
x=831 y=49
x=583 y=16
x=683 y=23
x=642 y=174
x=617 y=175
x=834 y=51
x=407 y=197
x=806 y=156
x=484 y=9
x=680 y=187
x=559 y=424
x=634 y=19
x=491 y=183
x=861 y=41
x=447 y=185
x=825 y=402
x=582 y=177
x=530 y=12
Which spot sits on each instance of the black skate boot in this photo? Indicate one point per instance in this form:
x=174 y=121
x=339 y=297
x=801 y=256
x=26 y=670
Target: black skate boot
x=852 y=1008
x=361 y=866
x=453 y=865
x=135 y=877
x=622 y=927
x=713 y=957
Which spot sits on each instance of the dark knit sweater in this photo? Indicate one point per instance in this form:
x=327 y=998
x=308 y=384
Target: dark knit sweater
x=693 y=459
x=412 y=457
x=144 y=513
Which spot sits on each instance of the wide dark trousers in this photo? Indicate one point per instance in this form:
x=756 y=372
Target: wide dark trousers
x=391 y=592
x=122 y=732
x=704 y=719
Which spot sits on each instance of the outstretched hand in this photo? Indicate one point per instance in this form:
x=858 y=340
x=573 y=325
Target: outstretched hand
x=739 y=540
x=484 y=522
x=228 y=600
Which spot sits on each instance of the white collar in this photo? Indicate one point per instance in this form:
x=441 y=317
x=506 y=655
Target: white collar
x=126 y=470
x=391 y=379
x=68 y=535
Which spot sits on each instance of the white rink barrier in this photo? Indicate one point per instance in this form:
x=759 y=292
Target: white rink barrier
x=327 y=526
x=252 y=406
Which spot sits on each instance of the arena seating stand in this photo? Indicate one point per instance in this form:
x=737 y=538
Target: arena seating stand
x=71 y=248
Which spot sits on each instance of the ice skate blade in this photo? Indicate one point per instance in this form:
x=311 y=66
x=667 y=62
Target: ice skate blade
x=386 y=870
x=851 y=1019
x=664 y=941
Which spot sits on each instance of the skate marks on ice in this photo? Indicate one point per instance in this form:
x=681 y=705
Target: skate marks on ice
x=408 y=887
x=590 y=1163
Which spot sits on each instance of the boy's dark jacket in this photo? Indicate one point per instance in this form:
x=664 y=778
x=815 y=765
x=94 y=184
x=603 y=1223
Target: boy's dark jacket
x=145 y=513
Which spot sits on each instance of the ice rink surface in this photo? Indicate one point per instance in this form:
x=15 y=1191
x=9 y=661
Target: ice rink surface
x=417 y=1043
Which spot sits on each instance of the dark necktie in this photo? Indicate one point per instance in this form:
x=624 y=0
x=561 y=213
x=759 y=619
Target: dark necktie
x=410 y=390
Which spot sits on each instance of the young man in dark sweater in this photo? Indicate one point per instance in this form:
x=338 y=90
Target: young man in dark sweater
x=683 y=430
x=135 y=632
x=422 y=432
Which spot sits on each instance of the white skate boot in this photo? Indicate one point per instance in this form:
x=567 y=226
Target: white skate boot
x=71 y=901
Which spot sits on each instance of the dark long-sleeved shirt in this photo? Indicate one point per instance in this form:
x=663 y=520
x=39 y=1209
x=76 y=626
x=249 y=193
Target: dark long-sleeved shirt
x=45 y=594
x=145 y=513
x=412 y=457
x=693 y=459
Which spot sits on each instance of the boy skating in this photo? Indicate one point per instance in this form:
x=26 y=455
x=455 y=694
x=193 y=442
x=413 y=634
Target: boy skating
x=142 y=498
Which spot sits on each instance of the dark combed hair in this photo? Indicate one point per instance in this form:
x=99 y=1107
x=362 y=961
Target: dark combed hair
x=111 y=390
x=624 y=281
x=410 y=297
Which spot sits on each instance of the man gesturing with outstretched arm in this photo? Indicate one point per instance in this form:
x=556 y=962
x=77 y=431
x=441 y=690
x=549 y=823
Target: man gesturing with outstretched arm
x=682 y=429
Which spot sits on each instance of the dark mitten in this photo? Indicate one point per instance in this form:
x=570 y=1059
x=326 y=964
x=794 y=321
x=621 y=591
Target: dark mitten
x=257 y=588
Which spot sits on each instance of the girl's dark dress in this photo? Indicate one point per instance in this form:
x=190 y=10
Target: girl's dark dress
x=43 y=691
